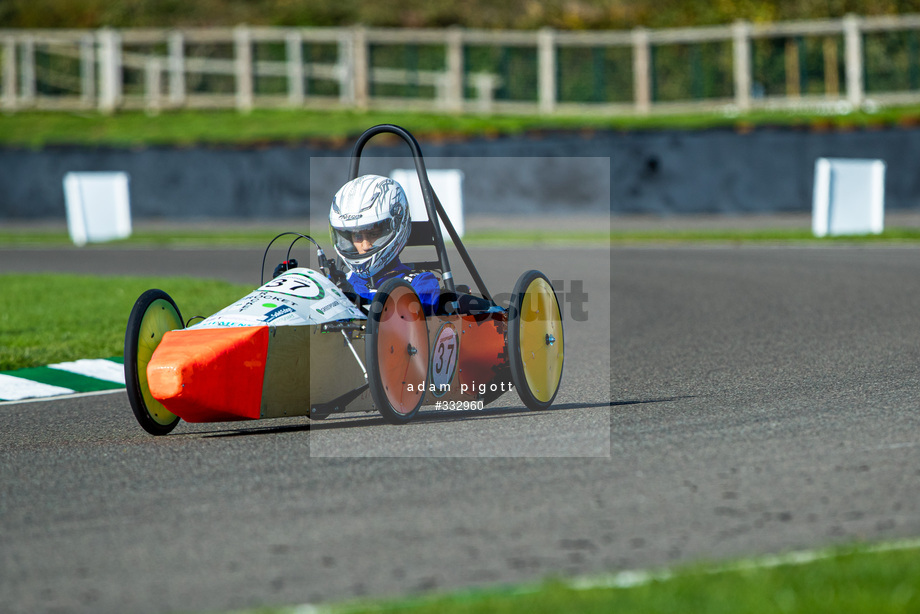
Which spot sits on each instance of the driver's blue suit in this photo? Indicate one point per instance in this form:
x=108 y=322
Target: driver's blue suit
x=424 y=283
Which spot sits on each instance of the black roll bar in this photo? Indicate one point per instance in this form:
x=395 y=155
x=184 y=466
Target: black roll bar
x=432 y=204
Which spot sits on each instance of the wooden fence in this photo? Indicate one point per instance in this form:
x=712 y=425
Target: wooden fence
x=835 y=64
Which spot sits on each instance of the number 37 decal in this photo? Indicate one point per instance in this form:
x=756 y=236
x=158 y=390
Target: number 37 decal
x=296 y=284
x=444 y=359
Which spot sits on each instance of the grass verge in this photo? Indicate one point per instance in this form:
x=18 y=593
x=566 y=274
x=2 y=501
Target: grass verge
x=260 y=237
x=49 y=318
x=339 y=127
x=849 y=581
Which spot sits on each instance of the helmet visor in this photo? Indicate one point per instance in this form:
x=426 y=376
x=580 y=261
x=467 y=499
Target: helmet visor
x=363 y=241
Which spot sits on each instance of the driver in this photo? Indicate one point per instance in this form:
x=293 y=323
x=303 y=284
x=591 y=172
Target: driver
x=369 y=222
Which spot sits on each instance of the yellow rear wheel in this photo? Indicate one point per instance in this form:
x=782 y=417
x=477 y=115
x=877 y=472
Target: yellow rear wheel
x=154 y=315
x=536 y=345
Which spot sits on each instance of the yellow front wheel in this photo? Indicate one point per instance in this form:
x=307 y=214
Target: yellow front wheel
x=154 y=314
x=536 y=347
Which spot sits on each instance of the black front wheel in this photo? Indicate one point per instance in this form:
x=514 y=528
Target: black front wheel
x=396 y=351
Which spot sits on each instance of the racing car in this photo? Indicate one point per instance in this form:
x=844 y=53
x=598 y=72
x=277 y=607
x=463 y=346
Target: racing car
x=300 y=345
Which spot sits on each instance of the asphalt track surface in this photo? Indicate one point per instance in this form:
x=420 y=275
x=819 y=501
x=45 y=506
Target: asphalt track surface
x=757 y=400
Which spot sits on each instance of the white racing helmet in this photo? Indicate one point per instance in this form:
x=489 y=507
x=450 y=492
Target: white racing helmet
x=373 y=211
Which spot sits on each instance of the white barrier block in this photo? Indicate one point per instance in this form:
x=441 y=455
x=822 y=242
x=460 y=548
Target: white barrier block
x=98 y=208
x=849 y=197
x=446 y=183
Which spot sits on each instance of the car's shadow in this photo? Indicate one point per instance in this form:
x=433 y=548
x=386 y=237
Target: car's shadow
x=351 y=420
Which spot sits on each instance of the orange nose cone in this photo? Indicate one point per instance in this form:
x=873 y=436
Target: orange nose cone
x=210 y=374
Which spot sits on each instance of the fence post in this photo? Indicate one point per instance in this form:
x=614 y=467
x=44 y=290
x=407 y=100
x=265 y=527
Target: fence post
x=242 y=41
x=9 y=73
x=454 y=86
x=546 y=67
x=87 y=70
x=485 y=91
x=153 y=73
x=27 y=71
x=360 y=71
x=854 y=60
x=741 y=36
x=293 y=43
x=109 y=69
x=176 y=44
x=344 y=68
x=642 y=70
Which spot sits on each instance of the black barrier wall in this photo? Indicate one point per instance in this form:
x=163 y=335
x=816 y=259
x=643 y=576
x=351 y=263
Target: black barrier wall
x=711 y=171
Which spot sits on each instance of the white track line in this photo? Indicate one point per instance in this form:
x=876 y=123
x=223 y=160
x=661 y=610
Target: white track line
x=73 y=395
x=626 y=579
x=18 y=388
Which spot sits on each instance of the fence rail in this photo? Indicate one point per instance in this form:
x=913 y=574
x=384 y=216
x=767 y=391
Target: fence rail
x=843 y=63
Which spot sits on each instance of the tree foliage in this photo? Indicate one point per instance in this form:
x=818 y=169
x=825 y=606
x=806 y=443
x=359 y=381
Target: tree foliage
x=515 y=14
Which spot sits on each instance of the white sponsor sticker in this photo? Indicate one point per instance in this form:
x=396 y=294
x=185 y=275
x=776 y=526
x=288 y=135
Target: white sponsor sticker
x=300 y=296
